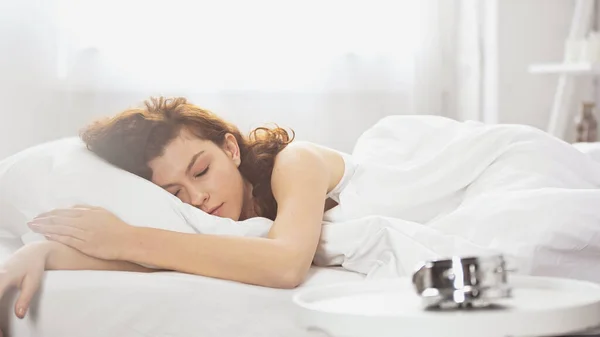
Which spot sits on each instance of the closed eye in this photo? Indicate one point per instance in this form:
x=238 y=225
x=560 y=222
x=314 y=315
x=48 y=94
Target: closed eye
x=197 y=176
x=202 y=173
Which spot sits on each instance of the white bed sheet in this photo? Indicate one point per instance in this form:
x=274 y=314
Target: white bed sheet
x=100 y=303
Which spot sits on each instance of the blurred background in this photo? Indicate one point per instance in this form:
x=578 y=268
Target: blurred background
x=328 y=69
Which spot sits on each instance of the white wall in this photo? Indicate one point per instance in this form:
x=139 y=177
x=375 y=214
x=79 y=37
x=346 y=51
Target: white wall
x=496 y=42
x=336 y=121
x=523 y=32
x=37 y=106
x=528 y=31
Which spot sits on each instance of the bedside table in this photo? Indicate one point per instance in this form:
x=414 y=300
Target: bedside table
x=391 y=308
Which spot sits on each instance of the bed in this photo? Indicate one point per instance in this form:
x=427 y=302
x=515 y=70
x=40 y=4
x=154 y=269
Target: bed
x=101 y=303
x=93 y=303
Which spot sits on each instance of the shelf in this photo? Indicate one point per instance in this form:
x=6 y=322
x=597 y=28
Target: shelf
x=566 y=68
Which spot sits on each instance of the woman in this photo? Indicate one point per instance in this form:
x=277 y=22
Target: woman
x=207 y=163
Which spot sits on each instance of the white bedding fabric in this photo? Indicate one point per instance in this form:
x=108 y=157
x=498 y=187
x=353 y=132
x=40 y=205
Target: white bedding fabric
x=101 y=304
x=591 y=149
x=430 y=187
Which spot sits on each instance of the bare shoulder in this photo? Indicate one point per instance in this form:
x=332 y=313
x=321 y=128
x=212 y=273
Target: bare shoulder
x=308 y=157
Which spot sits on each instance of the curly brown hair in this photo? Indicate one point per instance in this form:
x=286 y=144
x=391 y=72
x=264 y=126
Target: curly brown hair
x=133 y=138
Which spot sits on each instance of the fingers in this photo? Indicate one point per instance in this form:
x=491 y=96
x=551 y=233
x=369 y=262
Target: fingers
x=5 y=282
x=67 y=240
x=73 y=212
x=52 y=220
x=29 y=287
x=63 y=212
x=67 y=212
x=87 y=207
x=58 y=230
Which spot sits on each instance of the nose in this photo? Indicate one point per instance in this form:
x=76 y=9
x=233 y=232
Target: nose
x=199 y=198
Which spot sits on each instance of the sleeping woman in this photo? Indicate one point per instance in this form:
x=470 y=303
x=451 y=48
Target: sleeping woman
x=207 y=163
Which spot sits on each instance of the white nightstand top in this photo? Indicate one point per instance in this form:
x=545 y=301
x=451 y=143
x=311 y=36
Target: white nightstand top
x=539 y=307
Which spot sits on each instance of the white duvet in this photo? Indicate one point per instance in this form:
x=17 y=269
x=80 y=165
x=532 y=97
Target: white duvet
x=429 y=187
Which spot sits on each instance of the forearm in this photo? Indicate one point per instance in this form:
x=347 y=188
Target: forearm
x=259 y=261
x=61 y=257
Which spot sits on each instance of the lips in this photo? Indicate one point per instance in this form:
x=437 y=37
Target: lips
x=215 y=210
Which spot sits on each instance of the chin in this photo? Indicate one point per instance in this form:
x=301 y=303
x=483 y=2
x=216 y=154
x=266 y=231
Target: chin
x=236 y=217
x=225 y=213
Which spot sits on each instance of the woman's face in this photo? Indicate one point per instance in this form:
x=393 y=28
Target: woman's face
x=202 y=174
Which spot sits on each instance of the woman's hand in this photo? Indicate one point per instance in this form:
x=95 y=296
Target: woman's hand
x=24 y=270
x=91 y=230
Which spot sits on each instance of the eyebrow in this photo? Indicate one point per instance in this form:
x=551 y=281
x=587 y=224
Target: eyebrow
x=187 y=171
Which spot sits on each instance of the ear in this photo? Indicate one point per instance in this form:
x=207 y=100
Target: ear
x=232 y=149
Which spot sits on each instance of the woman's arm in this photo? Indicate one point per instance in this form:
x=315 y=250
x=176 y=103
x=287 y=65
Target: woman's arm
x=62 y=257
x=300 y=181
x=25 y=268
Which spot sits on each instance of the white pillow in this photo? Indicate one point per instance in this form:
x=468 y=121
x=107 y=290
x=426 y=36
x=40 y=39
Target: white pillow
x=591 y=149
x=64 y=173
